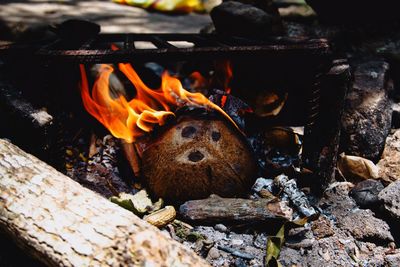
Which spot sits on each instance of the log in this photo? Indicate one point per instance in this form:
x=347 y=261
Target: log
x=216 y=209
x=61 y=223
x=19 y=117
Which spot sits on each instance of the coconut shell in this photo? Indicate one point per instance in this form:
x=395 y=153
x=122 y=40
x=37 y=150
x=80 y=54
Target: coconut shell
x=196 y=158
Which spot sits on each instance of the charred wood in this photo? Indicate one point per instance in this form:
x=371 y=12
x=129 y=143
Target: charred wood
x=216 y=209
x=101 y=173
x=23 y=122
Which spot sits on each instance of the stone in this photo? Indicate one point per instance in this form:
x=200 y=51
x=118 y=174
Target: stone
x=221 y=228
x=322 y=228
x=393 y=260
x=336 y=200
x=213 y=253
x=389 y=164
x=363 y=226
x=365 y=193
x=236 y=242
x=366 y=119
x=235 y=18
x=390 y=196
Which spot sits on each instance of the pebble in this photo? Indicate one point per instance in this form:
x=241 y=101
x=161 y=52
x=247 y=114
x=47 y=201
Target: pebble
x=221 y=228
x=214 y=253
x=236 y=242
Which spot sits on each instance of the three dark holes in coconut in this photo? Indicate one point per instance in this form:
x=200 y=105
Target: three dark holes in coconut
x=190 y=132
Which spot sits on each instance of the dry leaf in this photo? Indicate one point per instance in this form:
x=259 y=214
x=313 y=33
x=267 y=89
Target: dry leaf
x=356 y=169
x=139 y=203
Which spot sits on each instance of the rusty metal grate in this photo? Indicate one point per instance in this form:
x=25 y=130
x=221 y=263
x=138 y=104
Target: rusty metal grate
x=98 y=49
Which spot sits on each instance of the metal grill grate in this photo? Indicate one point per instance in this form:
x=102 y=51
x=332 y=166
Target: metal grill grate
x=98 y=49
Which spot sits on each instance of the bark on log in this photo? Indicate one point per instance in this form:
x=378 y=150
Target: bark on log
x=216 y=209
x=63 y=224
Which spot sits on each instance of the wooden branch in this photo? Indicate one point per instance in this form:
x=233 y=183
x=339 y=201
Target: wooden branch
x=63 y=224
x=216 y=209
x=132 y=157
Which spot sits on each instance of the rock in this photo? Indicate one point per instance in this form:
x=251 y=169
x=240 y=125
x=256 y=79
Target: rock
x=362 y=225
x=235 y=18
x=366 y=193
x=236 y=242
x=393 y=260
x=390 y=196
x=389 y=164
x=240 y=263
x=336 y=200
x=213 y=253
x=356 y=169
x=366 y=120
x=220 y=227
x=322 y=228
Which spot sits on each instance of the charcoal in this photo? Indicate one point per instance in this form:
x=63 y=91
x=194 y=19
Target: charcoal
x=366 y=193
x=236 y=108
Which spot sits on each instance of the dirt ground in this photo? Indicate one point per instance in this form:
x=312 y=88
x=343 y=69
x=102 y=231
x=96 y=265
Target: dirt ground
x=111 y=16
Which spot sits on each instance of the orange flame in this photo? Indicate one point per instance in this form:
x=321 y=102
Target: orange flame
x=131 y=119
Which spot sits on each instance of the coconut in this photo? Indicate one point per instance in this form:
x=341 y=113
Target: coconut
x=197 y=157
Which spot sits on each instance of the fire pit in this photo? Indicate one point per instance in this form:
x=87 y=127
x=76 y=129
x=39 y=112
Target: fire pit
x=215 y=125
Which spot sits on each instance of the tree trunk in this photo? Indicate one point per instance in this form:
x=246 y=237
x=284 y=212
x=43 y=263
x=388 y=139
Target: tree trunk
x=63 y=224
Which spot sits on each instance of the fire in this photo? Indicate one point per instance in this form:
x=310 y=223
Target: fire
x=131 y=119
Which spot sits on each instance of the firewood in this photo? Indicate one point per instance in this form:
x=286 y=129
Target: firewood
x=132 y=157
x=61 y=223
x=196 y=158
x=23 y=122
x=216 y=209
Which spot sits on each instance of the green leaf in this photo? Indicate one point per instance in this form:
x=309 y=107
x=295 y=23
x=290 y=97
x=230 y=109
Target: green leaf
x=274 y=245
